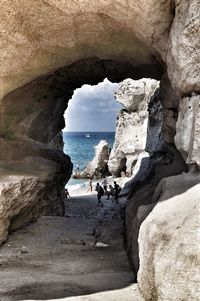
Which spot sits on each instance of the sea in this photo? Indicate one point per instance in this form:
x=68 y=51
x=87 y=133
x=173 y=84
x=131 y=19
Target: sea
x=80 y=146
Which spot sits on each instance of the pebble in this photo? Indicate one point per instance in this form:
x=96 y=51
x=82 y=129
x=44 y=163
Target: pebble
x=101 y=245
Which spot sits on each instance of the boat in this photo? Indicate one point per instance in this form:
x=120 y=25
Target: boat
x=87 y=135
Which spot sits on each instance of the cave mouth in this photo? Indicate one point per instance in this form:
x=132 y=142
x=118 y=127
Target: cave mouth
x=31 y=122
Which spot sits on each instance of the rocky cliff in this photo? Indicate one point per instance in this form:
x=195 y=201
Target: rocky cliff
x=132 y=125
x=143 y=131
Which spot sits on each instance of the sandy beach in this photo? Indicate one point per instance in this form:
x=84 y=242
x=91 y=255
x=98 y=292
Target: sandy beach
x=81 y=187
x=58 y=257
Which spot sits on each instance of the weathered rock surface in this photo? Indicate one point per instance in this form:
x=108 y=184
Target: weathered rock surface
x=169 y=241
x=24 y=198
x=42 y=36
x=165 y=162
x=183 y=47
x=99 y=165
x=132 y=125
x=188 y=129
x=45 y=35
x=33 y=167
x=146 y=131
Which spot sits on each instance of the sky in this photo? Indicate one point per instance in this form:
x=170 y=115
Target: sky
x=92 y=109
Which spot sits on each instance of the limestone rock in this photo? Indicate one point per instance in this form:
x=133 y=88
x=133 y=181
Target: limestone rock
x=38 y=37
x=188 y=129
x=164 y=162
x=184 y=47
x=98 y=166
x=135 y=95
x=34 y=40
x=24 y=198
x=169 y=242
x=132 y=125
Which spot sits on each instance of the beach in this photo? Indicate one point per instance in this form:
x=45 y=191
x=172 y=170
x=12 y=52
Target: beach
x=78 y=187
x=81 y=253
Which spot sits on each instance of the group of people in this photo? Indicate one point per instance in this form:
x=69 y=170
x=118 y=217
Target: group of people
x=108 y=191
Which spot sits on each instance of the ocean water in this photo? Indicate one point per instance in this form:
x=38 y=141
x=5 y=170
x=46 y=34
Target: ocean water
x=81 y=148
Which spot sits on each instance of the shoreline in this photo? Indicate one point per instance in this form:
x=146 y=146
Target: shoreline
x=80 y=186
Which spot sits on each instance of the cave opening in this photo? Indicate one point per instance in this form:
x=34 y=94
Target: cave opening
x=90 y=127
x=37 y=116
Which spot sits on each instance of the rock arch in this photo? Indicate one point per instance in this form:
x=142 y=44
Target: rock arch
x=83 y=42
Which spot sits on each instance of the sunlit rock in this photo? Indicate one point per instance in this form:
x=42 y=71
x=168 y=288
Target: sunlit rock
x=169 y=242
x=183 y=47
x=132 y=125
x=99 y=165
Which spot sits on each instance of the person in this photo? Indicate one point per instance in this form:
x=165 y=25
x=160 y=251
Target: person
x=90 y=185
x=117 y=190
x=100 y=193
x=105 y=185
x=67 y=194
x=110 y=192
x=77 y=169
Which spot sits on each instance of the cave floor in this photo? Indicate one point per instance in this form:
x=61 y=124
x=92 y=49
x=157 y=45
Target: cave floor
x=56 y=257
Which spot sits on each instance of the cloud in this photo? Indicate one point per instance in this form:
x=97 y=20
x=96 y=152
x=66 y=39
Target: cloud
x=93 y=108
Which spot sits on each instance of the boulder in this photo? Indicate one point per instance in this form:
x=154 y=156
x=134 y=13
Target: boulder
x=99 y=165
x=25 y=197
x=169 y=241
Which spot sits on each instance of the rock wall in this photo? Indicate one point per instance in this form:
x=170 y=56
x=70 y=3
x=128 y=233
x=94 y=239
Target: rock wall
x=168 y=240
x=188 y=129
x=39 y=37
x=132 y=123
x=145 y=139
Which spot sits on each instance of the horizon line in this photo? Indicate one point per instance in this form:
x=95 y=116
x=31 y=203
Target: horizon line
x=88 y=131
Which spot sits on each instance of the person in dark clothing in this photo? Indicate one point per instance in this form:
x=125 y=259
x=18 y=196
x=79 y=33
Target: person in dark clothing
x=117 y=190
x=105 y=185
x=100 y=193
x=67 y=194
x=110 y=192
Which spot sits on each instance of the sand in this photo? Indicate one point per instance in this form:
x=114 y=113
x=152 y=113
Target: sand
x=58 y=257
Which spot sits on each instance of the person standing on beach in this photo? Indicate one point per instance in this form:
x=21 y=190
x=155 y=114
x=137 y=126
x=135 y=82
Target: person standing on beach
x=110 y=192
x=90 y=185
x=105 y=185
x=67 y=194
x=100 y=193
x=117 y=190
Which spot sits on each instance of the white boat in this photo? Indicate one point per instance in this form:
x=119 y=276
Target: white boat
x=87 y=135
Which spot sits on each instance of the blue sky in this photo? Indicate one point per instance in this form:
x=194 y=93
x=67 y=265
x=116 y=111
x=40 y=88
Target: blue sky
x=93 y=108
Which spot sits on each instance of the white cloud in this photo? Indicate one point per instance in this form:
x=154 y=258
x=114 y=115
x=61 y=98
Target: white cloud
x=93 y=108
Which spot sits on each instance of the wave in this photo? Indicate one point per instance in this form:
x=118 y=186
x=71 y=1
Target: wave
x=77 y=186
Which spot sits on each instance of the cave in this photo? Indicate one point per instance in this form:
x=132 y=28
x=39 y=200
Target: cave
x=32 y=120
x=50 y=49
